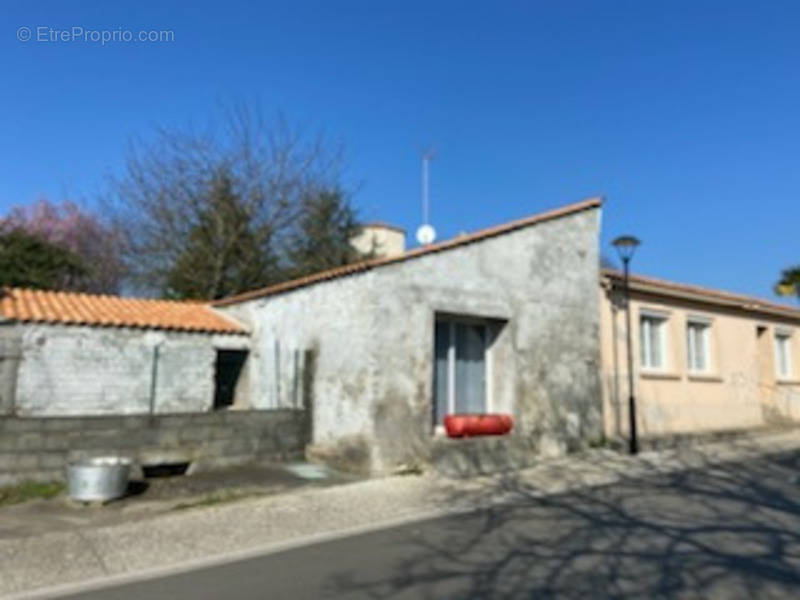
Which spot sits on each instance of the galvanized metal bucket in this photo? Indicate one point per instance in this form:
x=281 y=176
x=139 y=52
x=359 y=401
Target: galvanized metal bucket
x=98 y=479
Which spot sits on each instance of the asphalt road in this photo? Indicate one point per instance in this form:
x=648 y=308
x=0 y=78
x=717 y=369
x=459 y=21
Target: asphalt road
x=728 y=531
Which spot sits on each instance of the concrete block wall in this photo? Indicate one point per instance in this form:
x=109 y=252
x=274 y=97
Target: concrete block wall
x=38 y=449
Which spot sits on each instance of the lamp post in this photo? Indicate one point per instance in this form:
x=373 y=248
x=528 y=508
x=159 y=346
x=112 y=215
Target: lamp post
x=626 y=246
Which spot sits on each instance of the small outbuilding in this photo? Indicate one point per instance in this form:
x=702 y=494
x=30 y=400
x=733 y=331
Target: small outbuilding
x=65 y=354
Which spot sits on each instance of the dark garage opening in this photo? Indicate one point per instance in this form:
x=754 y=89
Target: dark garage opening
x=228 y=370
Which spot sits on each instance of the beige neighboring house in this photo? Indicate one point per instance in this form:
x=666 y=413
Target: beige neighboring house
x=704 y=360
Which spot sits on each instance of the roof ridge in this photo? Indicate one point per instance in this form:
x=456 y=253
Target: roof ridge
x=702 y=290
x=366 y=265
x=26 y=289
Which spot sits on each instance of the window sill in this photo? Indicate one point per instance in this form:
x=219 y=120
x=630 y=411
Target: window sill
x=707 y=377
x=788 y=381
x=659 y=375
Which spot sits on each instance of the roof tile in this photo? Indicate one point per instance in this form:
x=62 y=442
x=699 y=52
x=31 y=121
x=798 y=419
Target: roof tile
x=749 y=303
x=44 y=306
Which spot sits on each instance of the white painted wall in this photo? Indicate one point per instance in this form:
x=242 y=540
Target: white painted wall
x=78 y=370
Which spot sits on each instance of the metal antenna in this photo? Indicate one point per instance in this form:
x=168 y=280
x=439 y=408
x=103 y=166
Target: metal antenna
x=426 y=158
x=426 y=234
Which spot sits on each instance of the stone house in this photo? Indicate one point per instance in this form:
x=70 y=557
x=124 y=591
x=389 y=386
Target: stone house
x=503 y=320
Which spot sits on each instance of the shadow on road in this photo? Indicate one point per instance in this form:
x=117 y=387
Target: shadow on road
x=727 y=530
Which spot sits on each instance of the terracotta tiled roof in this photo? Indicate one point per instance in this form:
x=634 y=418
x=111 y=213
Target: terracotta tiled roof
x=368 y=265
x=652 y=285
x=41 y=306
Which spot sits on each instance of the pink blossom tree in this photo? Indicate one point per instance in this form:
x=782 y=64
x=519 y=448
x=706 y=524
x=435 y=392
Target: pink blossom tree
x=97 y=244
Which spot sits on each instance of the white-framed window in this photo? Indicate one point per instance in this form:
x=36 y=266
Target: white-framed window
x=653 y=341
x=783 y=354
x=698 y=345
x=460 y=375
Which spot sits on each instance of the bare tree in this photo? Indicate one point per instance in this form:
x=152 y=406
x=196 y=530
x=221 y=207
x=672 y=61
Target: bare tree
x=213 y=212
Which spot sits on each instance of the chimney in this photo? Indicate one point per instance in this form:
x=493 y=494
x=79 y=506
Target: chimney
x=380 y=239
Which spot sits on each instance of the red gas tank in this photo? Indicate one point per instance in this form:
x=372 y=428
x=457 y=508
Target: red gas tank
x=468 y=425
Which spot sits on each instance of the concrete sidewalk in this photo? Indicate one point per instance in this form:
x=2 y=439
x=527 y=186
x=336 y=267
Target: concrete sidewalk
x=158 y=496
x=203 y=536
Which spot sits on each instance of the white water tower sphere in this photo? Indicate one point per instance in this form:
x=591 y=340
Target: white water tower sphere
x=426 y=234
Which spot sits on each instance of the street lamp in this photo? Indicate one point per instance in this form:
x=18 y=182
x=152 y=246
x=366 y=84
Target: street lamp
x=626 y=246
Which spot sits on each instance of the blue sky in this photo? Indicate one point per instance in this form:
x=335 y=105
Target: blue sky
x=685 y=115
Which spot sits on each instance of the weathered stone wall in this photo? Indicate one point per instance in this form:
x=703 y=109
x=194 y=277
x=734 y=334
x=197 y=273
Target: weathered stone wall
x=76 y=370
x=372 y=336
x=39 y=448
x=314 y=348
x=539 y=283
